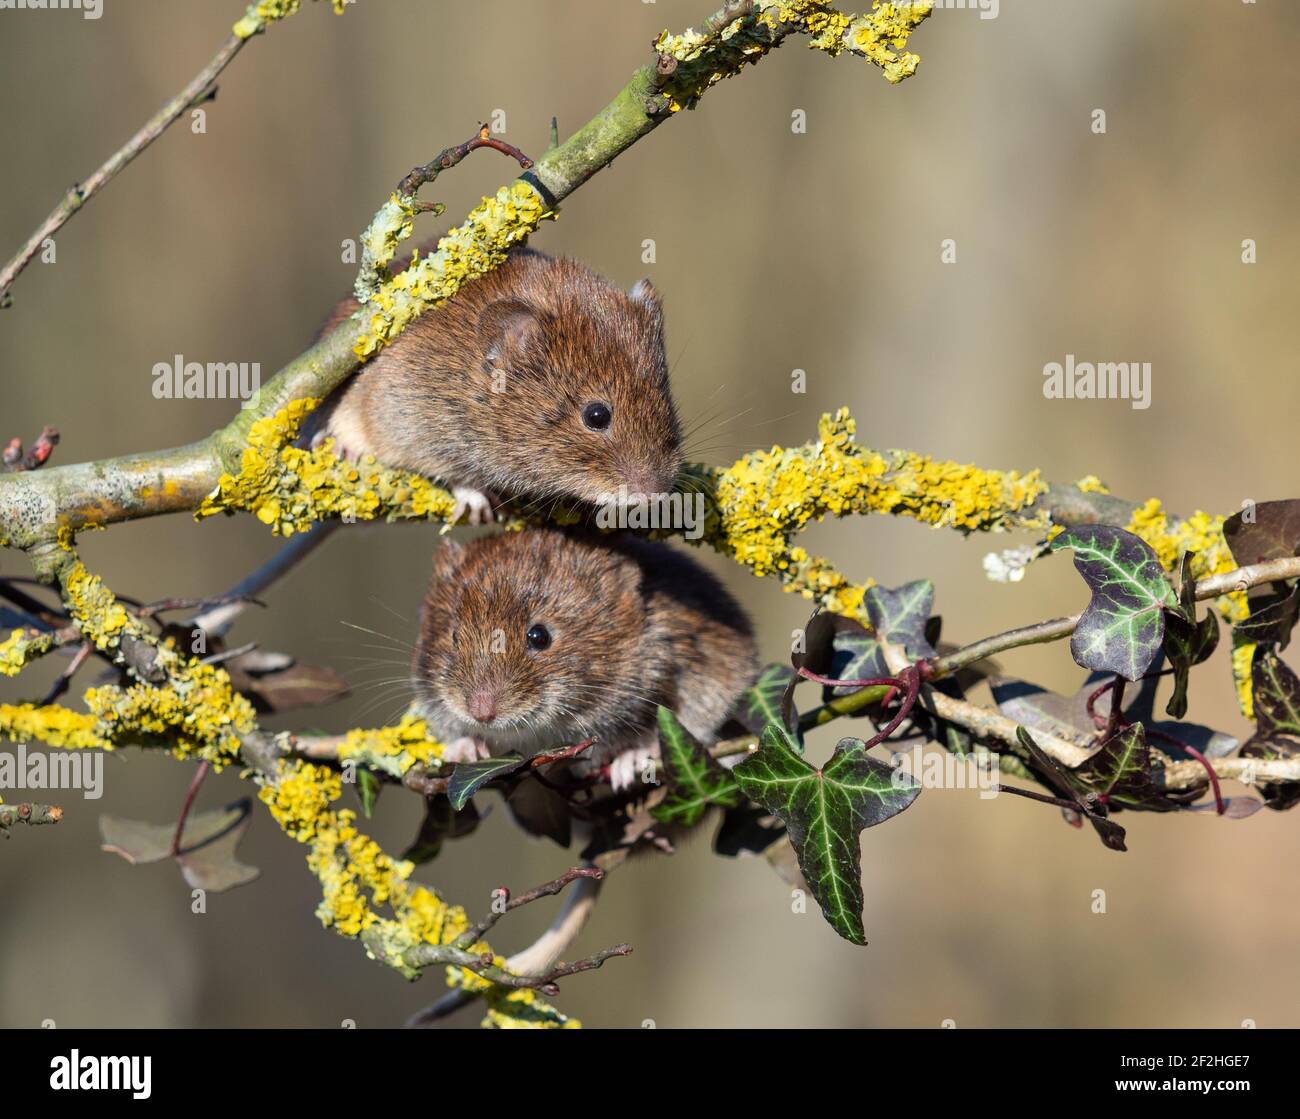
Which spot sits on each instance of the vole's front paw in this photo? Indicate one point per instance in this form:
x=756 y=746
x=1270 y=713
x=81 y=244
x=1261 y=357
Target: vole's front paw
x=466 y=750
x=474 y=505
x=632 y=767
x=338 y=449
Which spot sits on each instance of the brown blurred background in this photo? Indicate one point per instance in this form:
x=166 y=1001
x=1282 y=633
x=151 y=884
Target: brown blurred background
x=775 y=251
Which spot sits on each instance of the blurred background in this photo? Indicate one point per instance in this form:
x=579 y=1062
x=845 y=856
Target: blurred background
x=775 y=251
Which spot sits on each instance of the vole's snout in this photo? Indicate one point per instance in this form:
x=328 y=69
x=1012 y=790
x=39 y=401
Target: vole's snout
x=482 y=705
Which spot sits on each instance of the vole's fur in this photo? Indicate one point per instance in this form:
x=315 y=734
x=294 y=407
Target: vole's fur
x=632 y=624
x=486 y=392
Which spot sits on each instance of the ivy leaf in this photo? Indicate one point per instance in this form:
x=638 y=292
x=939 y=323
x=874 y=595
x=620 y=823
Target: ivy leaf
x=1038 y=709
x=760 y=704
x=1055 y=776
x=1123 y=627
x=1120 y=771
x=857 y=655
x=747 y=829
x=1187 y=641
x=541 y=811
x=208 y=845
x=1277 y=722
x=1273 y=532
x=695 y=780
x=441 y=822
x=368 y=788
x=901 y=616
x=1277 y=694
x=1272 y=618
x=468 y=777
x=824 y=811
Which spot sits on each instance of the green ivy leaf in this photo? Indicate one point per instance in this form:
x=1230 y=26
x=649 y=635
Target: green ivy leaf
x=1120 y=771
x=760 y=704
x=695 y=780
x=857 y=656
x=1277 y=694
x=1123 y=627
x=824 y=811
x=901 y=616
x=368 y=788
x=468 y=777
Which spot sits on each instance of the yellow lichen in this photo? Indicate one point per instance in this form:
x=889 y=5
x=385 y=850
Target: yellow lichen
x=1243 y=657
x=766 y=498
x=1091 y=484
x=259 y=16
x=392 y=750
x=470 y=250
x=1202 y=535
x=367 y=893
x=53 y=725
x=704 y=60
x=289 y=488
x=21 y=647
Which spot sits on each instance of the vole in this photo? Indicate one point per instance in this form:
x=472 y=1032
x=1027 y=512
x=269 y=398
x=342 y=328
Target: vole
x=540 y=380
x=543 y=638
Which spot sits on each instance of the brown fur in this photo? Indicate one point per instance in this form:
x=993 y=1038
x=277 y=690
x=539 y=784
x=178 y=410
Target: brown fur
x=556 y=337
x=634 y=624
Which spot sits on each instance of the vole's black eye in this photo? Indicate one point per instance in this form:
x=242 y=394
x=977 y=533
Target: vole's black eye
x=539 y=637
x=597 y=415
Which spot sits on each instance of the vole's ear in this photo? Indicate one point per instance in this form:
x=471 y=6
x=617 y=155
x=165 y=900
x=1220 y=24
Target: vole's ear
x=644 y=292
x=447 y=559
x=647 y=295
x=507 y=330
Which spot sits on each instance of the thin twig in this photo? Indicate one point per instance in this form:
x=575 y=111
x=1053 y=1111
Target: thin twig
x=548 y=889
x=79 y=194
x=1239 y=579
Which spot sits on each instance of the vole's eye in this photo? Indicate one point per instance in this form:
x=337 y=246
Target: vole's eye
x=597 y=415
x=539 y=637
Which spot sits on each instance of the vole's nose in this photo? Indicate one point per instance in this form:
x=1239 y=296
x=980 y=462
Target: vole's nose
x=483 y=706
x=643 y=486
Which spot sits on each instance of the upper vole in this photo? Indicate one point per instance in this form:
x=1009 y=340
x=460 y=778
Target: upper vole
x=537 y=380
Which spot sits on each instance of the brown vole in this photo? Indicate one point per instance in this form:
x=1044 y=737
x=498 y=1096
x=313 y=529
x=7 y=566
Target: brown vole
x=543 y=638
x=538 y=380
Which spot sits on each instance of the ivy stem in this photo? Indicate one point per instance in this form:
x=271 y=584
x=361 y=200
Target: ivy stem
x=190 y=794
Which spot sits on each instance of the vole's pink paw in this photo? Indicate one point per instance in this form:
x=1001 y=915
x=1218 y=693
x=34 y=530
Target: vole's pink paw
x=466 y=750
x=633 y=767
x=339 y=449
x=474 y=505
